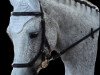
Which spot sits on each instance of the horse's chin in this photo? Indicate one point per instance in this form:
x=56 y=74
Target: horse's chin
x=23 y=71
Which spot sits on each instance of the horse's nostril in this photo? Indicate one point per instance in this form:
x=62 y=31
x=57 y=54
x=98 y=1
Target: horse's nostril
x=33 y=35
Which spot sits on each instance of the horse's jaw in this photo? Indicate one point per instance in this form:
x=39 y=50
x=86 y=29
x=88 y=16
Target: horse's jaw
x=23 y=71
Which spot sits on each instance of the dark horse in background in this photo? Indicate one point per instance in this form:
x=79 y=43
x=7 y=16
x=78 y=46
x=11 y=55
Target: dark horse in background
x=6 y=46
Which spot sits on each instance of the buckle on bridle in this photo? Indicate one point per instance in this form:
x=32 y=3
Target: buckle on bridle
x=43 y=65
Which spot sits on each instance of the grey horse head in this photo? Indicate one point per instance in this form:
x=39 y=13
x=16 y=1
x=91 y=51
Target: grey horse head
x=26 y=34
x=65 y=24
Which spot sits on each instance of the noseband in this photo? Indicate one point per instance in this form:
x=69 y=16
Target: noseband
x=44 y=41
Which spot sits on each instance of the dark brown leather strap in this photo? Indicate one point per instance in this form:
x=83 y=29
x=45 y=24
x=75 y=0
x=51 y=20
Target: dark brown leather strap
x=26 y=13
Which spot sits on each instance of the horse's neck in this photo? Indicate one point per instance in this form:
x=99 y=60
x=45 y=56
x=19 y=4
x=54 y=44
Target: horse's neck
x=75 y=22
x=72 y=20
x=63 y=1
x=71 y=15
x=26 y=5
x=73 y=3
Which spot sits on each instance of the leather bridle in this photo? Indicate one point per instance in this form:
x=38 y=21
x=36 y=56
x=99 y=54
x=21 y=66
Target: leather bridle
x=44 y=41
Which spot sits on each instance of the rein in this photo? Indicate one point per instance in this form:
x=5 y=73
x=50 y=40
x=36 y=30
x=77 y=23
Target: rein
x=77 y=42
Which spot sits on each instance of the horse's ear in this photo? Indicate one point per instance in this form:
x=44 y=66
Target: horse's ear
x=51 y=31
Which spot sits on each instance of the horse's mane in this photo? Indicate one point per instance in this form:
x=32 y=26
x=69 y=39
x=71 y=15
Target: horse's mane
x=87 y=4
x=81 y=2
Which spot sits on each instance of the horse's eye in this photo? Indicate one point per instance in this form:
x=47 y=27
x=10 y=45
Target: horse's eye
x=33 y=35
